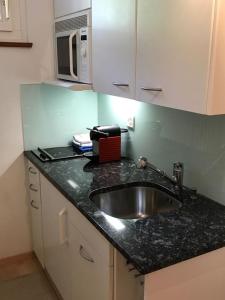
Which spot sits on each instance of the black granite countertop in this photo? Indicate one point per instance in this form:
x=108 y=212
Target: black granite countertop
x=149 y=244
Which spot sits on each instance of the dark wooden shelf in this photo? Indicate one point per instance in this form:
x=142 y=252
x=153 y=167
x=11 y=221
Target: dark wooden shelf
x=16 y=44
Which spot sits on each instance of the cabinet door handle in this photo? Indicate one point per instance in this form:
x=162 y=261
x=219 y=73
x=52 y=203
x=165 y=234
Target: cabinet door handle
x=33 y=205
x=33 y=188
x=151 y=89
x=32 y=171
x=120 y=84
x=85 y=255
x=62 y=227
x=6 y=4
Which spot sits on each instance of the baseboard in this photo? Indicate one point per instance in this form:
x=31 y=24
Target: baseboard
x=17 y=257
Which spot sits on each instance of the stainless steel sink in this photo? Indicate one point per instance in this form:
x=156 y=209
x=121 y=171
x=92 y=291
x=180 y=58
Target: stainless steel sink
x=134 y=202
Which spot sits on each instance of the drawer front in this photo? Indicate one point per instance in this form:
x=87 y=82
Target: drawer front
x=34 y=187
x=91 y=234
x=35 y=200
x=34 y=190
x=34 y=175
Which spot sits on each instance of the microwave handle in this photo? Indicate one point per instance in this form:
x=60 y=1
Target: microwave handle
x=71 y=52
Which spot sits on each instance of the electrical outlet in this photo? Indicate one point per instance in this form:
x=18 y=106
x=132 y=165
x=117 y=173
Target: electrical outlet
x=131 y=122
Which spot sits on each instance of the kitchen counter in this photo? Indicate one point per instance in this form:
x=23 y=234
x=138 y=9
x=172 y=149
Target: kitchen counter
x=196 y=228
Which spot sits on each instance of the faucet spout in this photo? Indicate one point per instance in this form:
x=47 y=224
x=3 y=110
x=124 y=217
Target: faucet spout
x=178 y=173
x=178 y=170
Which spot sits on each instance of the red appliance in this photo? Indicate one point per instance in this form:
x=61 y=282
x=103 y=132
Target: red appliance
x=106 y=143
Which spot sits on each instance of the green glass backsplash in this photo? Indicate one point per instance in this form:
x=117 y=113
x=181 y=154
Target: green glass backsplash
x=167 y=135
x=52 y=115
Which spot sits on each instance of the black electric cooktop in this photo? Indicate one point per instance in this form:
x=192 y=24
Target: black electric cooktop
x=57 y=153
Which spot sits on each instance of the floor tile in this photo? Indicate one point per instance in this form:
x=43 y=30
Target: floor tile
x=30 y=287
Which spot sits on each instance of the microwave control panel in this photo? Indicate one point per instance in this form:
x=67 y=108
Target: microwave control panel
x=85 y=53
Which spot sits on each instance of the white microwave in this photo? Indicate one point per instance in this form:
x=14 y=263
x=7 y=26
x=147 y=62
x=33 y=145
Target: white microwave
x=73 y=48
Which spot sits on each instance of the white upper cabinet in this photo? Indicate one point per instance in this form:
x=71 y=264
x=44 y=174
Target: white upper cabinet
x=66 y=7
x=216 y=89
x=180 y=54
x=177 y=47
x=173 y=52
x=114 y=46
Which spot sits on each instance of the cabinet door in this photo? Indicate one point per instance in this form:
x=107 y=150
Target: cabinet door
x=173 y=52
x=55 y=232
x=128 y=283
x=36 y=212
x=92 y=277
x=65 y=7
x=199 y=278
x=36 y=225
x=114 y=41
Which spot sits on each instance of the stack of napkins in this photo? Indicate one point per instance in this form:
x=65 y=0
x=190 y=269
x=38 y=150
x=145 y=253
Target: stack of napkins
x=82 y=142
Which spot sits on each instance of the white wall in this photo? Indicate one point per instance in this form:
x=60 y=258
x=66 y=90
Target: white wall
x=20 y=66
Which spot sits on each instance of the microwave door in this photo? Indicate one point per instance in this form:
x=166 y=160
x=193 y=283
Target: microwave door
x=66 y=54
x=63 y=58
x=74 y=54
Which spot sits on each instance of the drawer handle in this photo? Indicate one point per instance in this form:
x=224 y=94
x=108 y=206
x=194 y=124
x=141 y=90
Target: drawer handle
x=33 y=188
x=32 y=171
x=85 y=255
x=120 y=84
x=152 y=89
x=33 y=205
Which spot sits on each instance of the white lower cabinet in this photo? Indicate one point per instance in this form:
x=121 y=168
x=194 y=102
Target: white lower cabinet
x=36 y=212
x=80 y=267
x=83 y=265
x=55 y=233
x=199 y=278
x=92 y=277
x=128 y=283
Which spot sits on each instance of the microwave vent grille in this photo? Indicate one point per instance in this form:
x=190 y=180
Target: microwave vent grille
x=71 y=24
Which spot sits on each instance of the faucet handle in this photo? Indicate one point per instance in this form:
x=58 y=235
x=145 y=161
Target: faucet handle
x=142 y=162
x=178 y=165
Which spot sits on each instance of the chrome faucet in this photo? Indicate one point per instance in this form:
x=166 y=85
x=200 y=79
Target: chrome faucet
x=178 y=171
